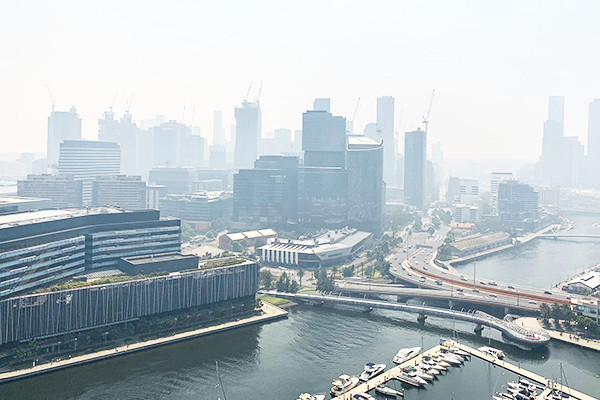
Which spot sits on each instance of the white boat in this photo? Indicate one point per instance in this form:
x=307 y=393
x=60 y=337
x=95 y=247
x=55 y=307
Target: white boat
x=492 y=352
x=428 y=369
x=308 y=396
x=417 y=374
x=388 y=391
x=440 y=361
x=406 y=354
x=371 y=370
x=450 y=359
x=434 y=365
x=343 y=384
x=458 y=351
x=414 y=381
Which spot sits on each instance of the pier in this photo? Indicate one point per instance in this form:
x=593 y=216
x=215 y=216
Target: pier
x=547 y=385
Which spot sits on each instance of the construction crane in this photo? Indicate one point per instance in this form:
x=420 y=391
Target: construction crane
x=248 y=92
x=257 y=98
x=51 y=98
x=129 y=105
x=351 y=131
x=426 y=116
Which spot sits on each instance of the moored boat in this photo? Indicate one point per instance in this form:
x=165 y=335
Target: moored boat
x=343 y=384
x=371 y=370
x=406 y=354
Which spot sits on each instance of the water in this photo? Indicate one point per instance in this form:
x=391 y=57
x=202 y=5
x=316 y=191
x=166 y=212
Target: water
x=542 y=263
x=303 y=353
x=314 y=345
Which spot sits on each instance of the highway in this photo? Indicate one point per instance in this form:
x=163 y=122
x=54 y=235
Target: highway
x=414 y=264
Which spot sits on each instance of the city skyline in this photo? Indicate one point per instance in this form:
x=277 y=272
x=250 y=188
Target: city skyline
x=476 y=81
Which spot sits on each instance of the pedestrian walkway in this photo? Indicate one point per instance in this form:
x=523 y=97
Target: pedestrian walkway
x=270 y=312
x=533 y=323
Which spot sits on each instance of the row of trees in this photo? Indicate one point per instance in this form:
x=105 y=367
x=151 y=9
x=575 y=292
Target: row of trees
x=557 y=312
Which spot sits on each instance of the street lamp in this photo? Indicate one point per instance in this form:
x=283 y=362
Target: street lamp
x=585 y=334
x=105 y=337
x=75 y=343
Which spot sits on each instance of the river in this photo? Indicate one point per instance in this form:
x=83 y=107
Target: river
x=315 y=345
x=542 y=263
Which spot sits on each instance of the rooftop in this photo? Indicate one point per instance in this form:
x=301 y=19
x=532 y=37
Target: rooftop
x=475 y=241
x=33 y=217
x=145 y=259
x=591 y=280
x=13 y=200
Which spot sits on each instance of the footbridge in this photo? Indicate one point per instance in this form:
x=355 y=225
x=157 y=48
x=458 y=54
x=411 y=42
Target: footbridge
x=519 y=334
x=569 y=235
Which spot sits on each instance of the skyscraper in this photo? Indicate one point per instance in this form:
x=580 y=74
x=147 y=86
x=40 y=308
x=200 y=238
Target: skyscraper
x=552 y=162
x=322 y=104
x=415 y=145
x=124 y=133
x=594 y=143
x=218 y=131
x=85 y=160
x=247 y=132
x=495 y=179
x=365 y=183
x=62 y=126
x=385 y=125
x=323 y=139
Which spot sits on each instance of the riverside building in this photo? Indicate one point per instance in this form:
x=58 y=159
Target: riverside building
x=41 y=247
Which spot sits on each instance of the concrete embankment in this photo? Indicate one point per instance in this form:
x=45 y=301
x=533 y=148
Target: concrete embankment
x=270 y=313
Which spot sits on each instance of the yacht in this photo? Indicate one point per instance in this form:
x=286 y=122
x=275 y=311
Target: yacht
x=458 y=351
x=371 y=370
x=428 y=369
x=451 y=359
x=406 y=354
x=343 y=384
x=414 y=381
x=440 y=361
x=388 y=391
x=492 y=352
x=308 y=396
x=417 y=373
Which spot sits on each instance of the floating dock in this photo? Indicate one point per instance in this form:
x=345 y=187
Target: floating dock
x=546 y=384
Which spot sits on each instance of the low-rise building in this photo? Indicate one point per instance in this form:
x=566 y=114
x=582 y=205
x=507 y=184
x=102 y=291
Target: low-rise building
x=479 y=242
x=330 y=248
x=13 y=204
x=152 y=263
x=250 y=238
x=584 y=284
x=197 y=207
x=465 y=213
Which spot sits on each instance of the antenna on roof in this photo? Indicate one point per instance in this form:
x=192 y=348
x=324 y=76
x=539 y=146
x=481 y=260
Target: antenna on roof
x=51 y=98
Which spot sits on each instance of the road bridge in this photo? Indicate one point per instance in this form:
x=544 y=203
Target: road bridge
x=569 y=235
x=451 y=294
x=519 y=334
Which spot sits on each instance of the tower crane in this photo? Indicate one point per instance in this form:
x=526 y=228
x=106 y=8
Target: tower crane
x=351 y=131
x=426 y=116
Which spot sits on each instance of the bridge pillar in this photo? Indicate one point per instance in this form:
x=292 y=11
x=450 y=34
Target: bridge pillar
x=421 y=318
x=451 y=303
x=478 y=329
x=506 y=310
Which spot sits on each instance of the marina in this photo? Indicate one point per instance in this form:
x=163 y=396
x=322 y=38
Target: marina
x=549 y=387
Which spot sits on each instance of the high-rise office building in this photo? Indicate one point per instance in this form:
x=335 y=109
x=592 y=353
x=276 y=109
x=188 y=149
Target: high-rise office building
x=323 y=196
x=247 y=133
x=176 y=180
x=267 y=193
x=415 y=146
x=323 y=139
x=85 y=160
x=322 y=104
x=123 y=132
x=64 y=191
x=463 y=191
x=62 y=126
x=495 y=179
x=128 y=192
x=517 y=202
x=171 y=141
x=385 y=125
x=594 y=143
x=218 y=131
x=365 y=183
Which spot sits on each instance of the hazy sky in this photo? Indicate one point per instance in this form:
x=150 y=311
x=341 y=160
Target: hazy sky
x=492 y=64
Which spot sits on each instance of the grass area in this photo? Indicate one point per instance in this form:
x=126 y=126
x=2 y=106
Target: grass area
x=276 y=301
x=308 y=290
x=221 y=263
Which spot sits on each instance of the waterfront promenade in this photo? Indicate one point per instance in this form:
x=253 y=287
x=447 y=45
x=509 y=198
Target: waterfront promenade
x=533 y=323
x=270 y=313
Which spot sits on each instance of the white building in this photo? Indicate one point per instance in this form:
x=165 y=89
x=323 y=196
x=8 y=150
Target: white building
x=585 y=284
x=495 y=180
x=465 y=213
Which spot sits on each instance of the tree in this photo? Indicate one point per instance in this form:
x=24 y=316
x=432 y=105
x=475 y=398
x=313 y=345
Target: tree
x=325 y=283
x=348 y=271
x=417 y=225
x=300 y=273
x=266 y=279
x=545 y=311
x=334 y=270
x=283 y=284
x=294 y=287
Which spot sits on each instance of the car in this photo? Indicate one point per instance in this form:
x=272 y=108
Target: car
x=424 y=267
x=459 y=289
x=409 y=274
x=510 y=287
x=476 y=290
x=482 y=282
x=422 y=279
x=532 y=302
x=462 y=278
x=439 y=283
x=568 y=297
x=492 y=283
x=547 y=292
x=493 y=295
